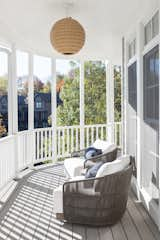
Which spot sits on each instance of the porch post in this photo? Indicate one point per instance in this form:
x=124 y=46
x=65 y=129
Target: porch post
x=124 y=93
x=31 y=95
x=110 y=100
x=140 y=42
x=13 y=103
x=159 y=118
x=82 y=133
x=31 y=107
x=54 y=112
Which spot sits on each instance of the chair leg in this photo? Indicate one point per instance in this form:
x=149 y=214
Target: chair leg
x=60 y=216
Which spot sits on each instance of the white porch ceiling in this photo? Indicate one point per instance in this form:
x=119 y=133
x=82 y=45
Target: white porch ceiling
x=28 y=24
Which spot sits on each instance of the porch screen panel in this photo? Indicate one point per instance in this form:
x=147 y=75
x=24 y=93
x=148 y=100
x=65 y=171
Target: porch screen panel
x=150 y=166
x=22 y=89
x=3 y=94
x=68 y=92
x=42 y=91
x=95 y=92
x=132 y=111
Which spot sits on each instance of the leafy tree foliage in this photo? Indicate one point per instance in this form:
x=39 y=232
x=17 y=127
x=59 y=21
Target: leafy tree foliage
x=117 y=92
x=95 y=92
x=95 y=95
x=68 y=113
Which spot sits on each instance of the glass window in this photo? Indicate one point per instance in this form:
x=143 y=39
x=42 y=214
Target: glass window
x=117 y=94
x=42 y=91
x=22 y=88
x=95 y=92
x=151 y=29
x=132 y=49
x=148 y=32
x=150 y=165
x=68 y=75
x=155 y=24
x=3 y=94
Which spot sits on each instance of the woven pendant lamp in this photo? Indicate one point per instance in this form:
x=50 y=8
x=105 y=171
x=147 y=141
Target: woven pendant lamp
x=67 y=36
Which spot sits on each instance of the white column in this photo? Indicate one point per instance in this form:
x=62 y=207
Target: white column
x=82 y=136
x=31 y=95
x=159 y=119
x=140 y=42
x=13 y=104
x=54 y=112
x=125 y=96
x=31 y=108
x=13 y=85
x=110 y=100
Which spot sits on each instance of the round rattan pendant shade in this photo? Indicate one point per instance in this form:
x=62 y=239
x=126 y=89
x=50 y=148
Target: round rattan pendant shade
x=67 y=36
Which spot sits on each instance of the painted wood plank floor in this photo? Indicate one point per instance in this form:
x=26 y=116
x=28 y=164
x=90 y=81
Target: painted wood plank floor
x=28 y=214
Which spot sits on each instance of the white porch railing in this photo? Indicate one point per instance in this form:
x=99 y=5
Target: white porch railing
x=68 y=139
x=30 y=147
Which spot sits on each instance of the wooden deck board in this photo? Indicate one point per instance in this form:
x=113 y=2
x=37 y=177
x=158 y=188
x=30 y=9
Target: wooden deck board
x=28 y=214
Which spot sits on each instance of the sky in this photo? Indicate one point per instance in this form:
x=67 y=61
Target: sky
x=42 y=65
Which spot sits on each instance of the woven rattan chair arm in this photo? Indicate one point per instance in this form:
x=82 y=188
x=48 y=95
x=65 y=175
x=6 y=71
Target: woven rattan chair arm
x=105 y=157
x=78 y=153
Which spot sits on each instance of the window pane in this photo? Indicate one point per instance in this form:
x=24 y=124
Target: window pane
x=22 y=74
x=3 y=94
x=42 y=91
x=95 y=92
x=150 y=175
x=155 y=24
x=117 y=94
x=148 y=32
x=68 y=76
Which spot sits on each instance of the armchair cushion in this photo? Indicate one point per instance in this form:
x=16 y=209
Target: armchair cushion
x=73 y=166
x=91 y=173
x=100 y=144
x=112 y=167
x=58 y=199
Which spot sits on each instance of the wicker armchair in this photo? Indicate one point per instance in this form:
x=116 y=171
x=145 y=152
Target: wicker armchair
x=97 y=201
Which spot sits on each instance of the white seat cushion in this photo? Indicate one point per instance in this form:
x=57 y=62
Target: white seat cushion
x=113 y=167
x=74 y=166
x=58 y=199
x=58 y=195
x=100 y=144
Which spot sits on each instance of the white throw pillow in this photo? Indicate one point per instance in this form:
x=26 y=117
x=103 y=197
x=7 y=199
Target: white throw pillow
x=110 y=148
x=100 y=144
x=112 y=167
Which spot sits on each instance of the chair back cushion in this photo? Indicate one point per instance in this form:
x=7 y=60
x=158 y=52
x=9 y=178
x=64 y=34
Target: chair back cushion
x=105 y=146
x=110 y=148
x=100 y=144
x=112 y=167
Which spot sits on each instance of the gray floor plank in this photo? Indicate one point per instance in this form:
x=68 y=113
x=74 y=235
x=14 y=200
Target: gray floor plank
x=129 y=227
x=79 y=232
x=105 y=233
x=92 y=233
x=146 y=216
x=142 y=227
x=118 y=232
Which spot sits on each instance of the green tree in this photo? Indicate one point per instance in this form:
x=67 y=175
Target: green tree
x=95 y=92
x=68 y=113
x=117 y=94
x=3 y=85
x=95 y=95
